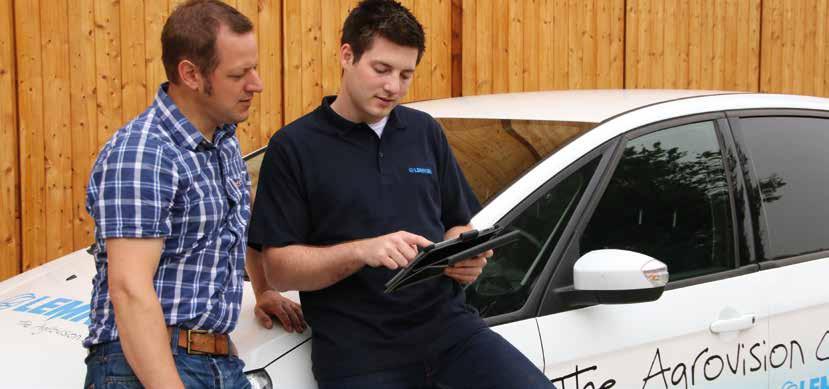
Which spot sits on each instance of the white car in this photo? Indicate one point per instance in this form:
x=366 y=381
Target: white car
x=729 y=190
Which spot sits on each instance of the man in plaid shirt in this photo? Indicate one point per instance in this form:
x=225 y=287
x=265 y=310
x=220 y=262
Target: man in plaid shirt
x=170 y=197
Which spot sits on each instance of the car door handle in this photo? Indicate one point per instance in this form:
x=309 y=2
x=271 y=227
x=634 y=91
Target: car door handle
x=743 y=322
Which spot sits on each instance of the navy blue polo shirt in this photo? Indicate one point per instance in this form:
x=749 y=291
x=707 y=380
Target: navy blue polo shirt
x=325 y=180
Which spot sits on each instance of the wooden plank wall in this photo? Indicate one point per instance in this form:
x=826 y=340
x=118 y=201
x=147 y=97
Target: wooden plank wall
x=795 y=50
x=697 y=44
x=73 y=71
x=747 y=45
x=515 y=45
x=312 y=42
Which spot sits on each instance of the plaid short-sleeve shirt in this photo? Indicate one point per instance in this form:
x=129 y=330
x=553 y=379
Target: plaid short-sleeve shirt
x=158 y=177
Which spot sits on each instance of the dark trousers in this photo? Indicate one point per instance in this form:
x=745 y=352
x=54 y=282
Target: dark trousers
x=483 y=361
x=106 y=367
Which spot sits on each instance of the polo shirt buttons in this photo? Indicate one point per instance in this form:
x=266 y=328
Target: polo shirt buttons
x=381 y=154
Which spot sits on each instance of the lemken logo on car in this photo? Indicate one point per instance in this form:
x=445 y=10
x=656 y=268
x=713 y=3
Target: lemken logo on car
x=812 y=383
x=47 y=306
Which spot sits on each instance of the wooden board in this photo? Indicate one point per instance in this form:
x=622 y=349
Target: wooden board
x=270 y=69
x=331 y=30
x=56 y=121
x=31 y=127
x=84 y=121
x=292 y=55
x=155 y=14
x=9 y=185
x=469 y=40
x=421 y=87
x=108 y=68
x=133 y=59
x=311 y=46
x=515 y=50
x=248 y=132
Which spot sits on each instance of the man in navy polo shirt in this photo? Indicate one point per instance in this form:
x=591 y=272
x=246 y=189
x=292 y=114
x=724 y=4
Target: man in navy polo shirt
x=346 y=195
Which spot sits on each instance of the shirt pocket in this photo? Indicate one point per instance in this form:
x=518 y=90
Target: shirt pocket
x=236 y=181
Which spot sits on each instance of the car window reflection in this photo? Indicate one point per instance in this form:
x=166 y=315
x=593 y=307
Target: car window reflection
x=668 y=199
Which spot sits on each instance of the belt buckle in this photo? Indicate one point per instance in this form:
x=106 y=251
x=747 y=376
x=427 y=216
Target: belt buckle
x=190 y=351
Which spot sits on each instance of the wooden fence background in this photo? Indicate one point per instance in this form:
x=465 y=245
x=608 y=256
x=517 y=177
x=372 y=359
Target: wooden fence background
x=72 y=72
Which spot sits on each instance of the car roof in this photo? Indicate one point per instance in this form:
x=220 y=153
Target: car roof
x=589 y=106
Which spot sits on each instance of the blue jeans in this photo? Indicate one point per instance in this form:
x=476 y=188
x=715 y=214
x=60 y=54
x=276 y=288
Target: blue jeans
x=106 y=367
x=485 y=360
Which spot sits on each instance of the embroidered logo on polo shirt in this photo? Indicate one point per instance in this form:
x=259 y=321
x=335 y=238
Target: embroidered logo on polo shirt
x=420 y=170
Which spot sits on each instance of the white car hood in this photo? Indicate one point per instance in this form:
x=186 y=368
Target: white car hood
x=43 y=320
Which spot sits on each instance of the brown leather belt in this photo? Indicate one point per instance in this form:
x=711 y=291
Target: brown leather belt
x=198 y=342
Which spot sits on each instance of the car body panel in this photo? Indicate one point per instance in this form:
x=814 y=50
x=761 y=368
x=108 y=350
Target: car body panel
x=633 y=343
x=35 y=334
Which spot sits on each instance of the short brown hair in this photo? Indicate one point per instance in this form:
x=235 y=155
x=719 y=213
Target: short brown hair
x=190 y=33
x=386 y=18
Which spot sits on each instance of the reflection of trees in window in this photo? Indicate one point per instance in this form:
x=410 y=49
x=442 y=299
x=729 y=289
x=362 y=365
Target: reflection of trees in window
x=671 y=169
x=769 y=187
x=670 y=205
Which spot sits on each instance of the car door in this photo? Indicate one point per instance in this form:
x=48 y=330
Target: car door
x=788 y=170
x=508 y=292
x=672 y=192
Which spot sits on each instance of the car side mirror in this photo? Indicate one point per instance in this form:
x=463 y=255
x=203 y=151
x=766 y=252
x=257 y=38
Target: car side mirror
x=616 y=277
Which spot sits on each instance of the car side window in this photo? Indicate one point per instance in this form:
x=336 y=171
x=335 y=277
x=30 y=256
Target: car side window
x=789 y=156
x=509 y=277
x=668 y=198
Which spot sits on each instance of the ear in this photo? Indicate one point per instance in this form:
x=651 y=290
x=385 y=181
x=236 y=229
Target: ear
x=346 y=55
x=189 y=75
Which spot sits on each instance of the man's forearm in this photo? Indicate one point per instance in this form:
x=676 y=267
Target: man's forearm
x=254 y=265
x=307 y=268
x=144 y=338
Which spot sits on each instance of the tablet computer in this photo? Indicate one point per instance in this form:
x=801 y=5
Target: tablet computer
x=431 y=260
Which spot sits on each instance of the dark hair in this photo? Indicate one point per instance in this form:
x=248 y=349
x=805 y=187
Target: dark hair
x=386 y=18
x=190 y=33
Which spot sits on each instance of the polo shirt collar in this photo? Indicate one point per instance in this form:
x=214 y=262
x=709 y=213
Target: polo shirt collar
x=343 y=126
x=183 y=132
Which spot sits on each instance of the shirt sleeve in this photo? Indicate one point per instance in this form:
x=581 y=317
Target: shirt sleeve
x=458 y=202
x=132 y=188
x=280 y=209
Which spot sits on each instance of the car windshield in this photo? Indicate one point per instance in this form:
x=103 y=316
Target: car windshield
x=492 y=153
x=254 y=162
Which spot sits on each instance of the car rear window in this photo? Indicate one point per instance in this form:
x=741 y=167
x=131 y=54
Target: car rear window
x=790 y=161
